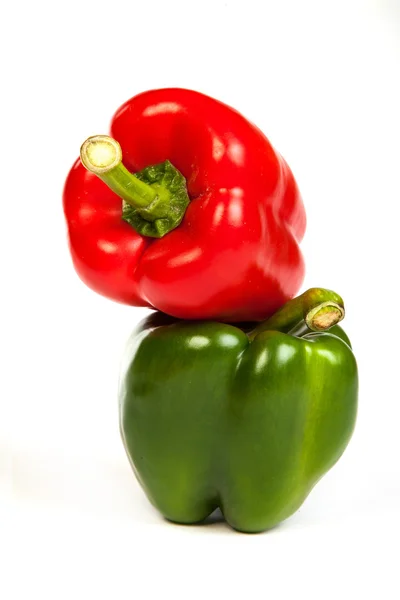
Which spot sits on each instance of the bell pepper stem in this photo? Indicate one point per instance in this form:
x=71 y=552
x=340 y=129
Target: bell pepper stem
x=317 y=309
x=102 y=155
x=154 y=199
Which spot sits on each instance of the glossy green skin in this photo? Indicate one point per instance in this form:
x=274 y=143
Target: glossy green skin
x=211 y=420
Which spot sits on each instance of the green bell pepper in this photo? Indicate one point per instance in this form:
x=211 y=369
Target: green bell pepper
x=248 y=420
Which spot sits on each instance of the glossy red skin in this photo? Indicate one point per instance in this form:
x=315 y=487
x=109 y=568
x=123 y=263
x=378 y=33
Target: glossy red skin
x=235 y=256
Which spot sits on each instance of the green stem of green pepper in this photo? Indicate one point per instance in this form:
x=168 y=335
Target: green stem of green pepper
x=317 y=309
x=102 y=155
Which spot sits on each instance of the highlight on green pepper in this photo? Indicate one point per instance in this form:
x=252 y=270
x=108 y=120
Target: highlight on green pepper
x=244 y=419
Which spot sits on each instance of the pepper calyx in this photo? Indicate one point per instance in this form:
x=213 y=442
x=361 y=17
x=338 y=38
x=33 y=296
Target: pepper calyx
x=167 y=209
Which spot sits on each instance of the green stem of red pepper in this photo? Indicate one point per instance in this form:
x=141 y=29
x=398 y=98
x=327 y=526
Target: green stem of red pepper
x=317 y=309
x=102 y=155
x=155 y=199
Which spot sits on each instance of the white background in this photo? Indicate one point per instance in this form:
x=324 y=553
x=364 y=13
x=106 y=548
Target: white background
x=321 y=79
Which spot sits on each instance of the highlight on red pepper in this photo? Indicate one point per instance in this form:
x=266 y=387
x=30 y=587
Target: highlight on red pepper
x=187 y=209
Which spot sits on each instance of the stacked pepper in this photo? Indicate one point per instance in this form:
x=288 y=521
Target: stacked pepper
x=234 y=395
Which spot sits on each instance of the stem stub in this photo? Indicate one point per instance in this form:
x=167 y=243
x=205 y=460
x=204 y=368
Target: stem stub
x=100 y=154
x=324 y=316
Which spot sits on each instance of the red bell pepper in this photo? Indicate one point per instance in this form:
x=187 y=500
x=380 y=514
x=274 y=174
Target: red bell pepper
x=233 y=255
